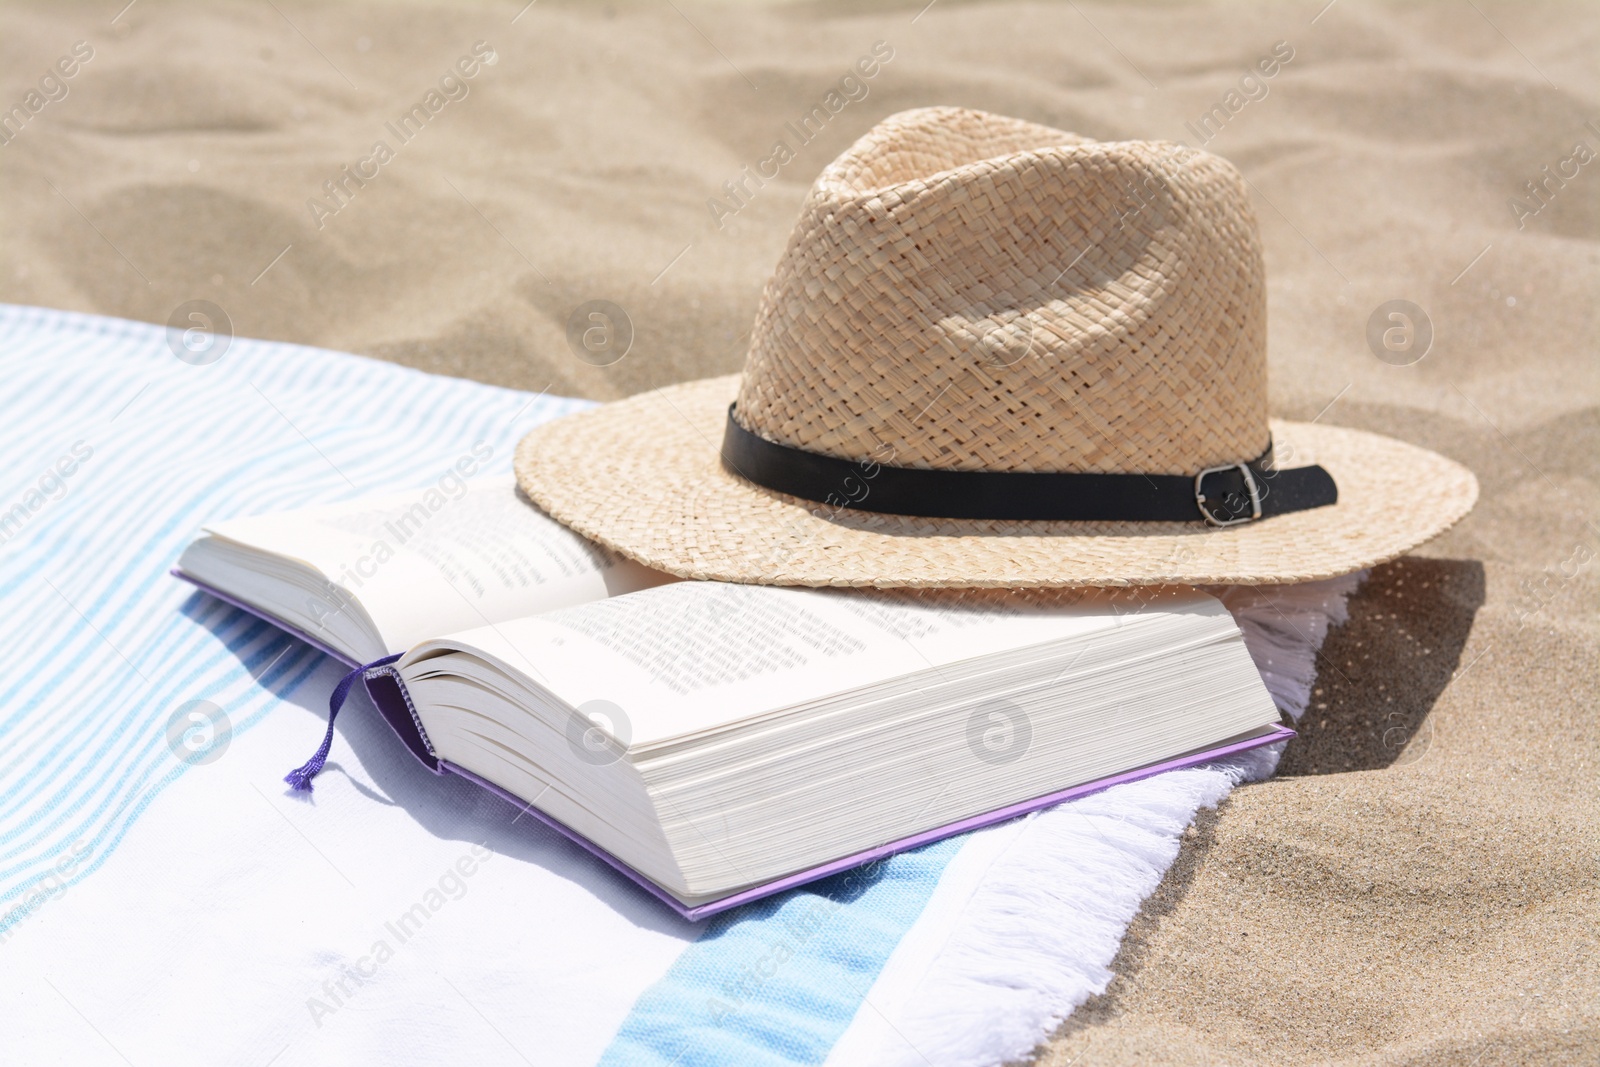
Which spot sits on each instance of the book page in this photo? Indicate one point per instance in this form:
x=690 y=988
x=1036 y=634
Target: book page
x=427 y=563
x=697 y=655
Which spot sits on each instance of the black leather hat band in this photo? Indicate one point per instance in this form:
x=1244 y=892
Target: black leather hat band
x=1221 y=496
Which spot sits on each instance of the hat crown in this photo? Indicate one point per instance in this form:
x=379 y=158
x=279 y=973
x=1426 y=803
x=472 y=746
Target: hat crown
x=965 y=291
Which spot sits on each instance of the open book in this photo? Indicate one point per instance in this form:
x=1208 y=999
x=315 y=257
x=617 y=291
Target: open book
x=720 y=742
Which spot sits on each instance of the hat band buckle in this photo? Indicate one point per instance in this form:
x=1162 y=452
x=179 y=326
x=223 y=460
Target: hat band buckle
x=1200 y=499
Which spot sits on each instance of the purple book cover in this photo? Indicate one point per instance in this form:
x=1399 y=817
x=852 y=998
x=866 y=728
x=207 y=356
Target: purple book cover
x=384 y=688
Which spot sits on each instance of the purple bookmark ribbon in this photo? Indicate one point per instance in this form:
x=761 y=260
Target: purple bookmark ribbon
x=301 y=776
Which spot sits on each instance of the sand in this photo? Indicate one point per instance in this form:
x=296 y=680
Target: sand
x=1419 y=885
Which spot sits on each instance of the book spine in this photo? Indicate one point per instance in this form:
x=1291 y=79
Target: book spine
x=389 y=696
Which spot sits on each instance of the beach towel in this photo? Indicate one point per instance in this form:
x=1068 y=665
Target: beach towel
x=156 y=907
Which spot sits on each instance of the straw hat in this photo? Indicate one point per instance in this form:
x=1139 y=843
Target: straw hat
x=997 y=354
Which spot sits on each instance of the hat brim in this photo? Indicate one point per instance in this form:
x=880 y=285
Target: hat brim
x=644 y=477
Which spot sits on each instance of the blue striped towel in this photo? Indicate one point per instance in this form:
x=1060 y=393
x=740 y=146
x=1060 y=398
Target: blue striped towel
x=158 y=910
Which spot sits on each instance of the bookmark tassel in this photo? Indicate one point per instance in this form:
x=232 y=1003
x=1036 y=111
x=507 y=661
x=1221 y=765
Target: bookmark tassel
x=301 y=776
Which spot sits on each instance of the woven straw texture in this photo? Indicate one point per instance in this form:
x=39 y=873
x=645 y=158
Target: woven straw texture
x=972 y=292
x=645 y=477
x=965 y=291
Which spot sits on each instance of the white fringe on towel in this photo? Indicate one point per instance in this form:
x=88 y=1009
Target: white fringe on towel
x=1284 y=627
x=1029 y=915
